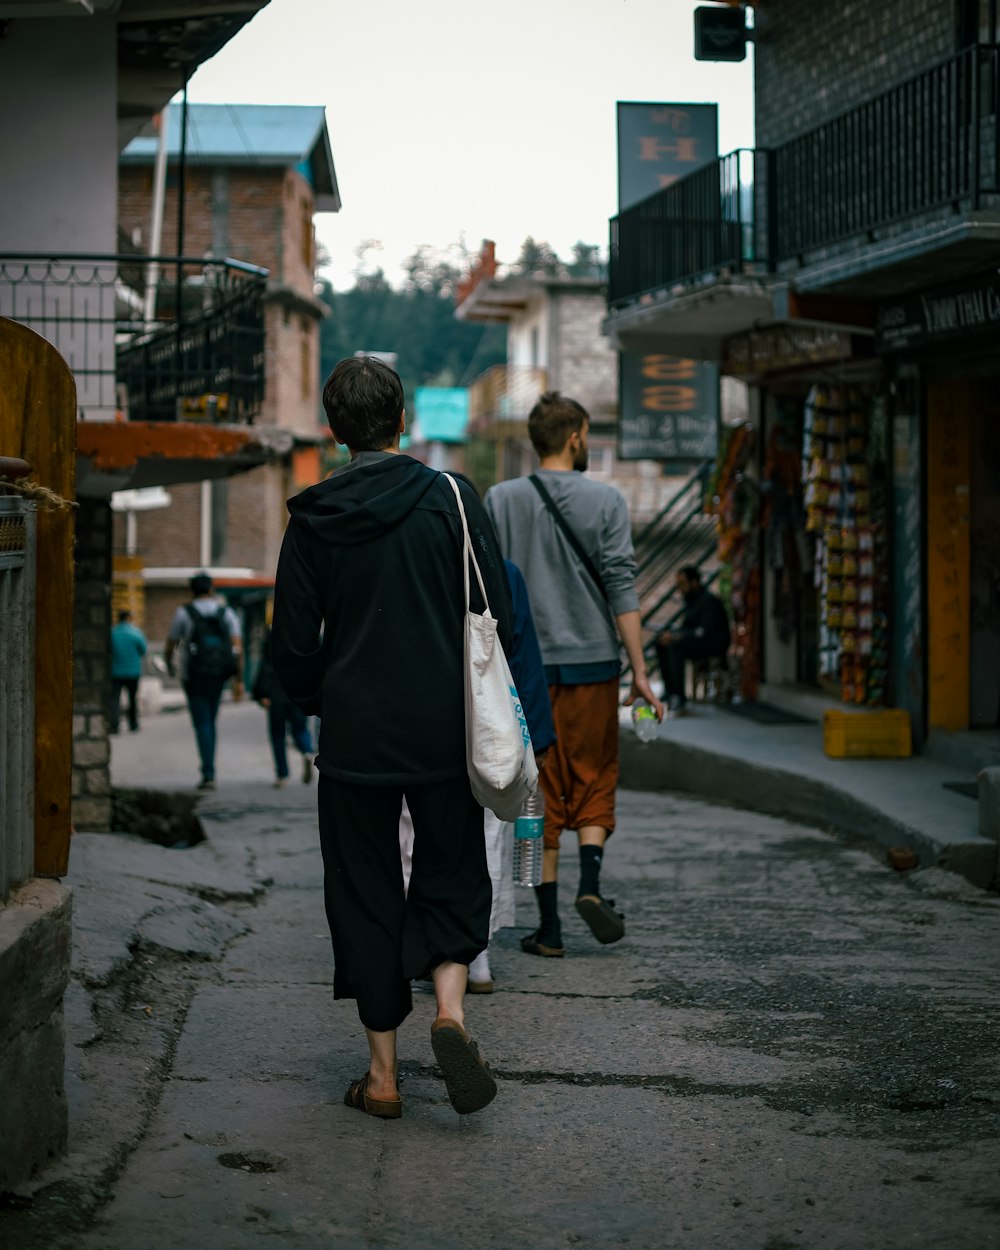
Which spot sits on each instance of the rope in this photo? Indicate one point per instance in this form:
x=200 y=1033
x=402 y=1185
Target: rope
x=47 y=500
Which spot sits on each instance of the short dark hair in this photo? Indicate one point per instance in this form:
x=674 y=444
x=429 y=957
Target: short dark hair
x=200 y=584
x=692 y=572
x=552 y=420
x=124 y=615
x=363 y=399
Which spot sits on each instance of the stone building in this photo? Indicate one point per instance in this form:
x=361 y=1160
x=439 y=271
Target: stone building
x=554 y=342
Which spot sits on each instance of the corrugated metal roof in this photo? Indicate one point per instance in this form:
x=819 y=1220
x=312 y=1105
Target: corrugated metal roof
x=250 y=134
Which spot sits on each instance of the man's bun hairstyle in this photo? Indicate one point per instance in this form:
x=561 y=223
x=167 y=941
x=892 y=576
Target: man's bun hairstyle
x=552 y=420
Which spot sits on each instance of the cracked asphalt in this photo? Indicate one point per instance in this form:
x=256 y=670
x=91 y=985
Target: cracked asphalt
x=794 y=1048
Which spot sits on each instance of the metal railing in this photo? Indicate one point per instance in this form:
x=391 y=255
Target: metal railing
x=705 y=222
x=151 y=338
x=924 y=144
x=928 y=143
x=681 y=534
x=17 y=691
x=504 y=393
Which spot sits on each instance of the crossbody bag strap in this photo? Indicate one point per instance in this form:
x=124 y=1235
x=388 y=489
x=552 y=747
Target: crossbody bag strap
x=468 y=550
x=568 y=534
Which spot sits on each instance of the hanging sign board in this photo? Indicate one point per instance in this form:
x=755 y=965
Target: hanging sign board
x=719 y=34
x=659 y=143
x=669 y=408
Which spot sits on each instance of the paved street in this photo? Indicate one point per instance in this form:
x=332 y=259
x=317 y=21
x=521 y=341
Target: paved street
x=793 y=1048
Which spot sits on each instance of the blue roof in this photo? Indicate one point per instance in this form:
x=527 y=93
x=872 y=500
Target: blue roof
x=250 y=134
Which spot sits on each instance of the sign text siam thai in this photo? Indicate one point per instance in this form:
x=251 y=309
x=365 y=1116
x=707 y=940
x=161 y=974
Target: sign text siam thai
x=933 y=316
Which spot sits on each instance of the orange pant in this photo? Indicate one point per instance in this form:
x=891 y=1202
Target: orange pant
x=581 y=771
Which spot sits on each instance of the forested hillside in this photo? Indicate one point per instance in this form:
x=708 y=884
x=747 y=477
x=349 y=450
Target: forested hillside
x=417 y=319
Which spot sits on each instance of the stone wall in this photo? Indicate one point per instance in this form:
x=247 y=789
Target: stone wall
x=92 y=668
x=34 y=971
x=586 y=362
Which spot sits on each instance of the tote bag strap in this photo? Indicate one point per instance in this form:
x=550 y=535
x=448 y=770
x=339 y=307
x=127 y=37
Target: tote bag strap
x=571 y=538
x=468 y=552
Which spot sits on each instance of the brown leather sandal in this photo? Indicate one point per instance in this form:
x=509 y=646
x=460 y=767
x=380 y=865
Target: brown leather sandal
x=358 y=1097
x=467 y=1076
x=606 y=924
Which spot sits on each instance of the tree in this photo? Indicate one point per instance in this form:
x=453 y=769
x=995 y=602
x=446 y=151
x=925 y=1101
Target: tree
x=416 y=321
x=586 y=262
x=537 y=259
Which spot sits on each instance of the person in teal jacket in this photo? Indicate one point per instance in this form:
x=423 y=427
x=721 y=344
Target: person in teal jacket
x=128 y=646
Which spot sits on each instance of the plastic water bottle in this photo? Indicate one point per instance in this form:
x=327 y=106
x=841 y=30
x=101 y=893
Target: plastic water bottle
x=528 y=844
x=644 y=720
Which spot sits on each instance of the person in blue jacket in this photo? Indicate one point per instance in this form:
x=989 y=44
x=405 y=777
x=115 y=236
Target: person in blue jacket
x=525 y=660
x=128 y=646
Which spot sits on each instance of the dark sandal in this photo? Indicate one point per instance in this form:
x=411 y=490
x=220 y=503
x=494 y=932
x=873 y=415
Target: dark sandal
x=467 y=1076
x=531 y=946
x=606 y=924
x=357 y=1096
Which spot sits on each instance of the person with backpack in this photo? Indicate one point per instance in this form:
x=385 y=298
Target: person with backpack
x=207 y=634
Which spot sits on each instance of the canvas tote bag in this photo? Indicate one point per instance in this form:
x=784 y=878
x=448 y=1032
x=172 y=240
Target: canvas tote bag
x=499 y=757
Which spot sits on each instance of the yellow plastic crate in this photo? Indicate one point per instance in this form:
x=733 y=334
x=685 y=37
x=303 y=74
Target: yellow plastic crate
x=866 y=735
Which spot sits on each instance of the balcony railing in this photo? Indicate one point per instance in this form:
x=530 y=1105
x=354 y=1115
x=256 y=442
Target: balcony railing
x=928 y=144
x=151 y=338
x=925 y=144
x=704 y=223
x=504 y=393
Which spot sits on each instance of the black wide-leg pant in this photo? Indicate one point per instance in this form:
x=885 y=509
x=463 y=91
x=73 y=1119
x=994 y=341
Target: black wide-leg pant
x=383 y=938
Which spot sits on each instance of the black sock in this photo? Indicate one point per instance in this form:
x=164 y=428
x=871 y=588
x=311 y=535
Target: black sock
x=549 y=930
x=590 y=870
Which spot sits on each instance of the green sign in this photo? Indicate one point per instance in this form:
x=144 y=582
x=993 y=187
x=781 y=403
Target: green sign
x=669 y=408
x=659 y=143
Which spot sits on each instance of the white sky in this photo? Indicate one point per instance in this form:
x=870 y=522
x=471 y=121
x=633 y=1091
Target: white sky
x=454 y=118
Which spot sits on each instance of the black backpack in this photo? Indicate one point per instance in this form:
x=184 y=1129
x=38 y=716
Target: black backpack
x=209 y=649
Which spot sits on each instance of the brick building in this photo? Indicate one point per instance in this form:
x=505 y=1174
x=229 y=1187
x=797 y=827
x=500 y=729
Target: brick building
x=851 y=281
x=255 y=176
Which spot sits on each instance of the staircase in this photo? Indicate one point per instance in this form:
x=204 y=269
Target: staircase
x=680 y=534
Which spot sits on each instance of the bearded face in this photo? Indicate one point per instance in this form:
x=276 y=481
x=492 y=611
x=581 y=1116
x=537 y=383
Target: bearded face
x=581 y=457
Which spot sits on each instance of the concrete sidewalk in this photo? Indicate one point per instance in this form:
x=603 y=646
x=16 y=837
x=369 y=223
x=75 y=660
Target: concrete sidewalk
x=782 y=770
x=793 y=1047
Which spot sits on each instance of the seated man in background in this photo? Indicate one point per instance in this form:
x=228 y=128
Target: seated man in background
x=703 y=635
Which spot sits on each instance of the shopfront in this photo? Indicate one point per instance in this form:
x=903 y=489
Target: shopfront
x=809 y=535
x=941 y=351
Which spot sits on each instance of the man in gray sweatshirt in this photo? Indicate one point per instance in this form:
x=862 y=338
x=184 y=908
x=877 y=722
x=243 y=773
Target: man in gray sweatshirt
x=570 y=537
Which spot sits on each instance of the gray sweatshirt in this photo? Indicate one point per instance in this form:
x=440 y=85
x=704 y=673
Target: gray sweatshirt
x=574 y=622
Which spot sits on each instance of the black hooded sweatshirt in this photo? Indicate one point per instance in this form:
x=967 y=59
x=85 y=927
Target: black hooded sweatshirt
x=369 y=605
